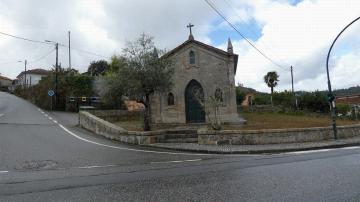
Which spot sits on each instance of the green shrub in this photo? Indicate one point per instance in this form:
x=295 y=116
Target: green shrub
x=343 y=108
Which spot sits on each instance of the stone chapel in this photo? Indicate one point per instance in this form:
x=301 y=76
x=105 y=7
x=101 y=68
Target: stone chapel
x=198 y=67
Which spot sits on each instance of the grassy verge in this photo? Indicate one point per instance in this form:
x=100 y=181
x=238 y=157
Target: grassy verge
x=258 y=120
x=278 y=120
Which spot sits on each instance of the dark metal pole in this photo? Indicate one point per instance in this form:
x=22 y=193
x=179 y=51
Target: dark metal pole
x=331 y=96
x=56 y=76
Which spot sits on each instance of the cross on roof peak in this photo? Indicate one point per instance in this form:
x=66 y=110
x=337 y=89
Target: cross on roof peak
x=191 y=37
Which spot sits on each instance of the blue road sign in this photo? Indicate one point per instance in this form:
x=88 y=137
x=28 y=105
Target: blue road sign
x=51 y=93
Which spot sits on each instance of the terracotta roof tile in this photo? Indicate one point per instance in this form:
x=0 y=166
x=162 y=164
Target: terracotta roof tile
x=35 y=71
x=5 y=78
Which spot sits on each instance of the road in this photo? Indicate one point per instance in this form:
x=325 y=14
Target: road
x=45 y=157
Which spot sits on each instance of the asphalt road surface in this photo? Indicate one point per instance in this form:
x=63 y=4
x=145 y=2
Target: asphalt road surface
x=45 y=157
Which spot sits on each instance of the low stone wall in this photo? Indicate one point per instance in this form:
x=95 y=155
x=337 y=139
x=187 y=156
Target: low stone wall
x=111 y=131
x=117 y=115
x=275 y=136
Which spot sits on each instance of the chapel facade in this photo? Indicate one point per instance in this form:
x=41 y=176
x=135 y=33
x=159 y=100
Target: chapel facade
x=200 y=71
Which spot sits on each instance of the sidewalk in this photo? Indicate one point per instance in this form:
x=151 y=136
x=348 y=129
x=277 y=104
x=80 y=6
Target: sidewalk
x=71 y=119
x=257 y=149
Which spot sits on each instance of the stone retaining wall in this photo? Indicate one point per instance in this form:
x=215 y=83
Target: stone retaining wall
x=111 y=131
x=275 y=136
x=117 y=115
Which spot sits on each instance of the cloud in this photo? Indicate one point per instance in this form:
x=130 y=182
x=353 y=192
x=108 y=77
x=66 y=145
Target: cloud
x=299 y=35
x=291 y=32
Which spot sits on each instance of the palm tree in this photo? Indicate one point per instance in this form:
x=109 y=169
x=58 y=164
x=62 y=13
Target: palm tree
x=271 y=79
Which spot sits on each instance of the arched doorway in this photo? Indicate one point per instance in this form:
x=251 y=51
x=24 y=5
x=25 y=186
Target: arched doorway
x=193 y=109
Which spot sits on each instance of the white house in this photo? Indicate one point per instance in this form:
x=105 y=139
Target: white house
x=32 y=76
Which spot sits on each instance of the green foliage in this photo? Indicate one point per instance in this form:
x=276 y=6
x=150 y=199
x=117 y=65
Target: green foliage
x=271 y=79
x=116 y=63
x=70 y=83
x=261 y=99
x=97 y=68
x=240 y=95
x=343 y=108
x=314 y=101
x=349 y=91
x=283 y=99
x=137 y=74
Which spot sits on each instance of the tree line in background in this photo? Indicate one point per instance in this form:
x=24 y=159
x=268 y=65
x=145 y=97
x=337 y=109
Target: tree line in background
x=286 y=101
x=136 y=74
x=70 y=83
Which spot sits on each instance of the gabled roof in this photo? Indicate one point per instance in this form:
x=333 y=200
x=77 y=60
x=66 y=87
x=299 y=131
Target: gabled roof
x=5 y=78
x=205 y=46
x=35 y=71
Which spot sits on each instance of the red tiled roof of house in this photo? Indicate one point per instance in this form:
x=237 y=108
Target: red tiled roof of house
x=349 y=99
x=35 y=71
x=5 y=78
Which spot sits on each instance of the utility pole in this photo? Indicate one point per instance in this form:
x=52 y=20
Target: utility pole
x=69 y=51
x=25 y=75
x=56 y=75
x=292 y=87
x=292 y=79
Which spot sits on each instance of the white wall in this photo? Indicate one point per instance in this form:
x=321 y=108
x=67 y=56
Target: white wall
x=31 y=79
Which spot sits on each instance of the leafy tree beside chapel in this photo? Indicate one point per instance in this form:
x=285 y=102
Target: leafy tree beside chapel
x=137 y=74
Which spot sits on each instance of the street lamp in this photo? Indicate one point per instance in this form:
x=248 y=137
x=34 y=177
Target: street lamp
x=331 y=97
x=56 y=70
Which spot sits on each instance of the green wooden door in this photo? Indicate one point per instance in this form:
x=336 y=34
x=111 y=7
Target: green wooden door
x=194 y=111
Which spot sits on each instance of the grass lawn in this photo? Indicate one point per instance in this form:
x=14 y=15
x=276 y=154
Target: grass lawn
x=256 y=120
x=277 y=120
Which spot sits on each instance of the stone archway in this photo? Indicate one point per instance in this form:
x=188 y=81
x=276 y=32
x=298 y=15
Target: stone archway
x=193 y=109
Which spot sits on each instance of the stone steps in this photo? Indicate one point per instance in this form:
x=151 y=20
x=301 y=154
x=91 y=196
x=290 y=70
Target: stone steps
x=180 y=136
x=181 y=140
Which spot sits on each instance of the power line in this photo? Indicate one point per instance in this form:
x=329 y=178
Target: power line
x=255 y=34
x=247 y=40
x=84 y=51
x=44 y=42
x=42 y=57
x=22 y=38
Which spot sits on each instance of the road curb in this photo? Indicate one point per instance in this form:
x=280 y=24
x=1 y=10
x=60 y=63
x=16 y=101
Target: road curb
x=258 y=151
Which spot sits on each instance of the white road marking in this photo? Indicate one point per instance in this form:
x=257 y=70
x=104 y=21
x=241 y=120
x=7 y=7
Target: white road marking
x=322 y=150
x=346 y=148
x=3 y=171
x=181 y=161
x=55 y=121
x=50 y=118
x=88 y=167
x=1 y=115
x=129 y=149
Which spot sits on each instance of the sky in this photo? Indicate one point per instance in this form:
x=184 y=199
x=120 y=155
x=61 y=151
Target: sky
x=294 y=33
